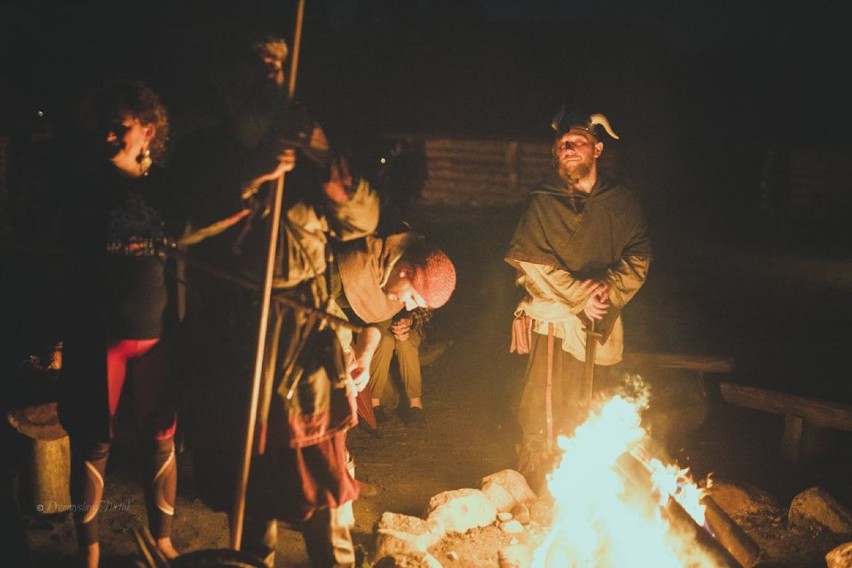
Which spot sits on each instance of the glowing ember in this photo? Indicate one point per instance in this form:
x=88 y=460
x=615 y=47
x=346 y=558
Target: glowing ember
x=600 y=520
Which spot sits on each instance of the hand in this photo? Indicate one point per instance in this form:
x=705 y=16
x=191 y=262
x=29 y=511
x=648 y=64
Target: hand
x=339 y=183
x=401 y=329
x=360 y=375
x=358 y=363
x=597 y=303
x=285 y=162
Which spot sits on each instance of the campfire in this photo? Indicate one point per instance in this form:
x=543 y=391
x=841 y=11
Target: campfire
x=616 y=505
x=611 y=502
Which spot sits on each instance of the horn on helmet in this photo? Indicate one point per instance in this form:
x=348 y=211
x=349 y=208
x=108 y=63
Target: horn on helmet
x=601 y=120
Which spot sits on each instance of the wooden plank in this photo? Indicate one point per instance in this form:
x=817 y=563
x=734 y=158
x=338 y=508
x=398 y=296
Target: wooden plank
x=818 y=413
x=470 y=188
x=445 y=145
x=471 y=179
x=699 y=363
x=483 y=171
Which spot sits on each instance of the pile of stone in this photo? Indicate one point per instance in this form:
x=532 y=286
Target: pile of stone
x=504 y=513
x=503 y=521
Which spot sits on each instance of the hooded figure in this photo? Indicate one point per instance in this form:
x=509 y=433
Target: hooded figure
x=581 y=251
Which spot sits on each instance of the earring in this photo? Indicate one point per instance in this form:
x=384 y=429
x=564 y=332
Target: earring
x=144 y=160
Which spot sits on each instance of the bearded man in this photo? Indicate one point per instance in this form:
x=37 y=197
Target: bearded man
x=581 y=251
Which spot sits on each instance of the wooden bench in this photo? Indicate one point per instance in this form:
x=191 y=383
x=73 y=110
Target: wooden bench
x=807 y=421
x=698 y=363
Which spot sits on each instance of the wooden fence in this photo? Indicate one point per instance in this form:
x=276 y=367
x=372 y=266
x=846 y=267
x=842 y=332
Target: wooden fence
x=815 y=183
x=482 y=172
x=821 y=183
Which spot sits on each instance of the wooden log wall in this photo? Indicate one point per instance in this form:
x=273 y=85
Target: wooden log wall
x=481 y=171
x=821 y=183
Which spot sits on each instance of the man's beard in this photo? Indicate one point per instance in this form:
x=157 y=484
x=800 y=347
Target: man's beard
x=573 y=174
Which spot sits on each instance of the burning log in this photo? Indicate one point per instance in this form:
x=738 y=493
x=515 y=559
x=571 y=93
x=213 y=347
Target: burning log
x=636 y=472
x=719 y=535
x=731 y=535
x=721 y=526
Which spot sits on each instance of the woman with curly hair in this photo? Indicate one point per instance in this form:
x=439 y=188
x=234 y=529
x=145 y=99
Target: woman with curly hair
x=118 y=318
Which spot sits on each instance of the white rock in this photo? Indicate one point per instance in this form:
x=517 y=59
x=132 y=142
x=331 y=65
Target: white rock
x=513 y=483
x=461 y=510
x=498 y=495
x=512 y=527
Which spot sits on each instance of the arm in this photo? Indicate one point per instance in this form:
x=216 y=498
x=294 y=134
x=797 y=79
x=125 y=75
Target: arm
x=628 y=275
x=353 y=206
x=555 y=294
x=365 y=346
x=625 y=279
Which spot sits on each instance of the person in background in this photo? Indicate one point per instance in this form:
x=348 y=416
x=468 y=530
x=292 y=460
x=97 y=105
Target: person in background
x=581 y=252
x=403 y=335
x=119 y=318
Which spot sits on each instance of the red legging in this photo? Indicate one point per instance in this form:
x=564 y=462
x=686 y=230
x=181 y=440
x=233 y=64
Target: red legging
x=147 y=362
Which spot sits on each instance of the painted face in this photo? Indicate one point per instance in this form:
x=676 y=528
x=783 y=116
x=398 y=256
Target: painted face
x=400 y=289
x=576 y=152
x=125 y=141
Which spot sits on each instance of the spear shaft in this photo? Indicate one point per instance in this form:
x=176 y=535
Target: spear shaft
x=238 y=512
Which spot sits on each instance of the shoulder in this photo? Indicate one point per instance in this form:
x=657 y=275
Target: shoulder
x=617 y=194
x=550 y=186
x=543 y=196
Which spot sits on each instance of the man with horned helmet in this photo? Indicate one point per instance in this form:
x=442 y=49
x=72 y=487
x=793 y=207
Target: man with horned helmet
x=581 y=251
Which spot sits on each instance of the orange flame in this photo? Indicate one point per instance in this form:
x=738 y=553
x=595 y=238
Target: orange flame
x=599 y=521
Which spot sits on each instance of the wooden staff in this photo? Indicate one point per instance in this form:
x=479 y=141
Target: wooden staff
x=238 y=511
x=297 y=42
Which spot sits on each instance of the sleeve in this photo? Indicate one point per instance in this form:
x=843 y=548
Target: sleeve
x=627 y=276
x=529 y=241
x=356 y=217
x=553 y=293
x=419 y=317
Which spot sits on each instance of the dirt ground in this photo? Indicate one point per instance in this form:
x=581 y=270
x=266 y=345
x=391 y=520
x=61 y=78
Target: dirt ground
x=707 y=298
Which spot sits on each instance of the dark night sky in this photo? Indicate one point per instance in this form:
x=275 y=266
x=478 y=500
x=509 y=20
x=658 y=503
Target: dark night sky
x=781 y=59
x=699 y=90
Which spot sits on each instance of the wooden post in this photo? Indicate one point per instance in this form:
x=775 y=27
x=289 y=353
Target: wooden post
x=808 y=423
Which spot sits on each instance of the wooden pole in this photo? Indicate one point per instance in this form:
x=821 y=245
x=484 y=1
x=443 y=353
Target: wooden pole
x=238 y=511
x=297 y=42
